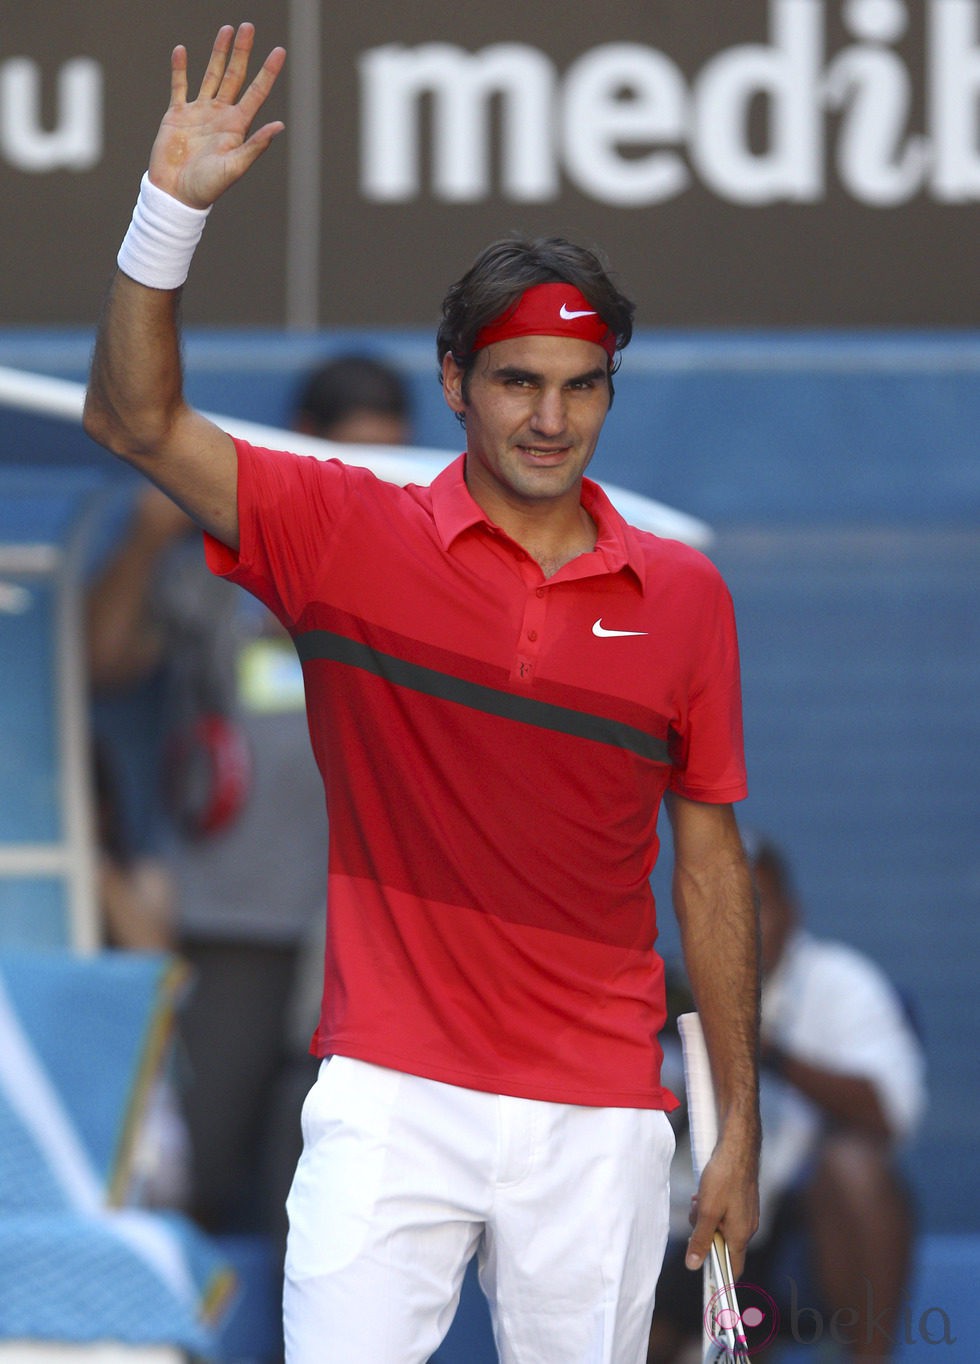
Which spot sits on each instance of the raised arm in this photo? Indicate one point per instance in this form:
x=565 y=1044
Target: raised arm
x=135 y=404
x=715 y=906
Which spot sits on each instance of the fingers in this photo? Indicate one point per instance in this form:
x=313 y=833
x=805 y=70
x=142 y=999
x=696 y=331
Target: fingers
x=258 y=92
x=234 y=74
x=252 y=149
x=178 y=76
x=225 y=75
x=699 y=1242
x=214 y=75
x=737 y=1256
x=707 y=1226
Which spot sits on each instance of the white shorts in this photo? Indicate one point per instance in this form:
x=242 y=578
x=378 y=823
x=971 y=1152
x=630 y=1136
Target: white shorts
x=402 y=1179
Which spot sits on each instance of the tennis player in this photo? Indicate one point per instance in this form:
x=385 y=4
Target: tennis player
x=504 y=680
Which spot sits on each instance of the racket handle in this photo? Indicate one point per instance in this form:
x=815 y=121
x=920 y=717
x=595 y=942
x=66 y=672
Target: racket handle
x=702 y=1114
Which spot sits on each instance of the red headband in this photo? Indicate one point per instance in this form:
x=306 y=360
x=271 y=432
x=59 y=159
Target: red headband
x=549 y=310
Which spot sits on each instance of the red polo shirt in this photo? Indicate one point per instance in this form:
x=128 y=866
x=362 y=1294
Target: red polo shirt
x=494 y=747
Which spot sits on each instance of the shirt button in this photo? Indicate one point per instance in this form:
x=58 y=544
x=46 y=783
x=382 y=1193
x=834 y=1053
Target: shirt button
x=532 y=635
x=539 y=592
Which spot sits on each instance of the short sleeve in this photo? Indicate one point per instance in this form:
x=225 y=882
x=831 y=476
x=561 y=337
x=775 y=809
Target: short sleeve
x=708 y=752
x=863 y=1030
x=288 y=506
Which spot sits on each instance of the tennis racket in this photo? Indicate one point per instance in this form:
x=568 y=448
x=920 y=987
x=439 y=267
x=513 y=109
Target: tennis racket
x=722 y=1335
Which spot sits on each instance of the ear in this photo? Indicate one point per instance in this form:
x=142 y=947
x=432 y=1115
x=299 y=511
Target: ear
x=452 y=384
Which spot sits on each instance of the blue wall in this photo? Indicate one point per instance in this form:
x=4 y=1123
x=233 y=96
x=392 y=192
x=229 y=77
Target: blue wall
x=842 y=477
x=796 y=429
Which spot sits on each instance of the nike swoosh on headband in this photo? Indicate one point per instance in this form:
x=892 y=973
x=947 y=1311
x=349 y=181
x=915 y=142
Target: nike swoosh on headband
x=556 y=309
x=600 y=631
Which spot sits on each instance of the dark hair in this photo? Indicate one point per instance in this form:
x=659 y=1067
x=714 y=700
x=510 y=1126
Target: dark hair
x=763 y=855
x=351 y=383
x=501 y=273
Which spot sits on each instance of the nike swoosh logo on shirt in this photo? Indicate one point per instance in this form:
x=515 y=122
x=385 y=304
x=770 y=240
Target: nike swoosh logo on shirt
x=602 y=633
x=565 y=313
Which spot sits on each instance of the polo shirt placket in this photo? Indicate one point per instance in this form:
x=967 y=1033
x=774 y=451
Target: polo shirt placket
x=532 y=634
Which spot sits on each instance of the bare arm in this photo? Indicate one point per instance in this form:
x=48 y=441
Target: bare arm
x=135 y=404
x=124 y=641
x=715 y=906
x=850 y=1100
x=137 y=904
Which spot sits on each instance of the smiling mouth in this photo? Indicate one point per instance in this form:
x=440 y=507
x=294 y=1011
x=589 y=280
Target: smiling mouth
x=542 y=452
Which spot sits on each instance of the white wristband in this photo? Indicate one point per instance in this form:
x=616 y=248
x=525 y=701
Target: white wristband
x=160 y=243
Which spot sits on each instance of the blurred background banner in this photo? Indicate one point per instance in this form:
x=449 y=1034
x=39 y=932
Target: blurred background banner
x=775 y=162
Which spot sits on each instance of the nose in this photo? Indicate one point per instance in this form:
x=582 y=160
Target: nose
x=548 y=418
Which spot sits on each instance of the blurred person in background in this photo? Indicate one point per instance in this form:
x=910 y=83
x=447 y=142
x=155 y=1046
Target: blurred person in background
x=355 y=399
x=240 y=886
x=842 y=1088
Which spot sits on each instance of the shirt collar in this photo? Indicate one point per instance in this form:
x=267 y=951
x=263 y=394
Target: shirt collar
x=453 y=508
x=455 y=511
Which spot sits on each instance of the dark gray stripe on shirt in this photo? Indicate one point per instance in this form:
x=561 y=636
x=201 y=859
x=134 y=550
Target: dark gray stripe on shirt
x=323 y=644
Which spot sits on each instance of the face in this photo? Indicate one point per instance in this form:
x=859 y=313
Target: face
x=361 y=426
x=534 y=408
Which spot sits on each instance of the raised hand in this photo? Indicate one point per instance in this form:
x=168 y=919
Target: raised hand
x=204 y=145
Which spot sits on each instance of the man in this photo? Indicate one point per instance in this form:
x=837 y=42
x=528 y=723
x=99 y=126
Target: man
x=503 y=679
x=842 y=1088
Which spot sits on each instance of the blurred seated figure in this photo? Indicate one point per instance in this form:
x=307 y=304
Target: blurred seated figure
x=841 y=1086
x=207 y=669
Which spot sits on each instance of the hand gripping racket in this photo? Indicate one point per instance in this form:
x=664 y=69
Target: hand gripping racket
x=722 y=1337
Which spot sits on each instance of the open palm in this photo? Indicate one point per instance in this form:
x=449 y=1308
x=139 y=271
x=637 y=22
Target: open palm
x=204 y=144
